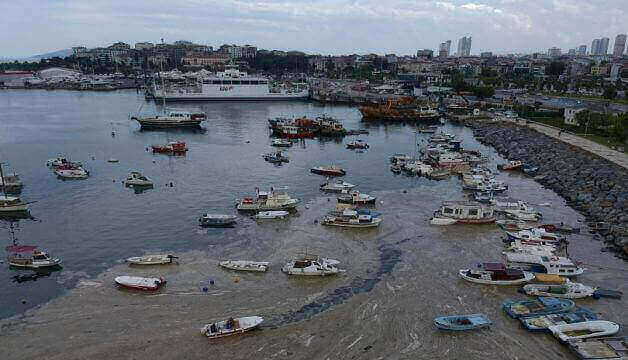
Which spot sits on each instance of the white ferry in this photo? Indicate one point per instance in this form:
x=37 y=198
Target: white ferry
x=231 y=84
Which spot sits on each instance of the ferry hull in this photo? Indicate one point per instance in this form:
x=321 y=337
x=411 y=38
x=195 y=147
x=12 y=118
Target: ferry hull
x=232 y=98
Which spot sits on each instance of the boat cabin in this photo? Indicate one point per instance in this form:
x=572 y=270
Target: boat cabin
x=466 y=211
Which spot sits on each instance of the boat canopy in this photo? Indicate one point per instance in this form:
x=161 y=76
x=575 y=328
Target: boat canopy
x=20 y=248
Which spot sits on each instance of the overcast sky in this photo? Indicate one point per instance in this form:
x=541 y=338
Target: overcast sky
x=30 y=27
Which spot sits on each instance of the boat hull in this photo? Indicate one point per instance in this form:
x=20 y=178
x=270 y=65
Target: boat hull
x=469 y=322
x=328 y=172
x=160 y=124
x=526 y=278
x=14 y=208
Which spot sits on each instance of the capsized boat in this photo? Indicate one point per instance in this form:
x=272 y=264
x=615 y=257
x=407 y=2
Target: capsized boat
x=140 y=283
x=337 y=186
x=172 y=148
x=311 y=265
x=568 y=290
x=275 y=199
x=136 y=178
x=541 y=306
x=495 y=274
x=217 y=220
x=158 y=259
x=244 y=265
x=72 y=174
x=541 y=323
x=328 y=171
x=231 y=326
x=281 y=143
x=352 y=219
x=277 y=214
x=607 y=348
x=584 y=330
x=462 y=322
x=355 y=197
x=29 y=257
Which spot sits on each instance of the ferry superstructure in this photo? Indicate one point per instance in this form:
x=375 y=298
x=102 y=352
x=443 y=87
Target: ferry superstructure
x=231 y=84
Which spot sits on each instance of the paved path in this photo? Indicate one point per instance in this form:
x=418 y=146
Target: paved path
x=605 y=152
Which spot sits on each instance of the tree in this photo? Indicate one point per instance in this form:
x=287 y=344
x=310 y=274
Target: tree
x=610 y=93
x=555 y=68
x=483 y=91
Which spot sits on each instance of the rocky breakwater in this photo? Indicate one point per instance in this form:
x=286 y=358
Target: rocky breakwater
x=594 y=186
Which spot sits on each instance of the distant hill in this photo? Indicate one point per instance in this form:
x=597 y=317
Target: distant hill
x=35 y=58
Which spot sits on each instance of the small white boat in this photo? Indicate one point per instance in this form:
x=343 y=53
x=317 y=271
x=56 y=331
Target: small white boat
x=523 y=215
x=78 y=174
x=136 y=178
x=244 y=265
x=281 y=143
x=311 y=266
x=584 y=330
x=140 y=283
x=442 y=221
x=231 y=326
x=264 y=215
x=568 y=290
x=495 y=274
x=112 y=160
x=151 y=259
x=337 y=186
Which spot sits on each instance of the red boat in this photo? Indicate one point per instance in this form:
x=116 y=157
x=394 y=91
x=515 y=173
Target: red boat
x=173 y=147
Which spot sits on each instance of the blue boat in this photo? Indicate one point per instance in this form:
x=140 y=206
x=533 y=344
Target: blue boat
x=462 y=322
x=543 y=322
x=541 y=306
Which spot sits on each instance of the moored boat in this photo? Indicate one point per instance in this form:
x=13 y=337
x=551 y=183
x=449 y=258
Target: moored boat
x=543 y=264
x=462 y=322
x=172 y=148
x=217 y=220
x=244 y=265
x=231 y=326
x=140 y=283
x=355 y=197
x=357 y=144
x=606 y=348
x=309 y=265
x=29 y=257
x=541 y=306
x=584 y=330
x=466 y=212
x=267 y=201
x=541 y=323
x=441 y=221
x=11 y=204
x=72 y=174
x=337 y=186
x=266 y=215
x=281 y=143
x=568 y=290
x=157 y=259
x=352 y=219
x=11 y=183
x=173 y=119
x=276 y=157
x=523 y=215
x=135 y=178
x=495 y=274
x=328 y=171
x=511 y=165
x=513 y=225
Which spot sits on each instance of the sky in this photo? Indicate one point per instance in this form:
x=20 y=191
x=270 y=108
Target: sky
x=30 y=27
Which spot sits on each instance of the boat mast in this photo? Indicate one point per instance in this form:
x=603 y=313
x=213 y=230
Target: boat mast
x=163 y=86
x=2 y=177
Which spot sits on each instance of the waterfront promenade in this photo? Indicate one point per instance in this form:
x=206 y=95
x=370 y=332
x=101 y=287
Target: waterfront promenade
x=617 y=157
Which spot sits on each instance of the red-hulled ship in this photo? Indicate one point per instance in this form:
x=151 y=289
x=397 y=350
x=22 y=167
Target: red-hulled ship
x=173 y=148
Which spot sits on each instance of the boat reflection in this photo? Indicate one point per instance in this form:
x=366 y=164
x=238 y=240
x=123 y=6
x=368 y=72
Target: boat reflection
x=32 y=275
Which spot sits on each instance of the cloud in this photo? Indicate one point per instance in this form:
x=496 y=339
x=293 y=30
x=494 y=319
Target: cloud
x=325 y=26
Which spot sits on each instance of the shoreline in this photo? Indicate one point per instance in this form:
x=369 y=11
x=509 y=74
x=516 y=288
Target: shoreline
x=589 y=183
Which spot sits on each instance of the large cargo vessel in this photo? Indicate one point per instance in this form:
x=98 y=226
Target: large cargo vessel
x=231 y=84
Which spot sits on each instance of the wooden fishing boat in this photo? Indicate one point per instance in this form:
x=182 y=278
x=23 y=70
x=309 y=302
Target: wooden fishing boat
x=217 y=220
x=608 y=348
x=542 y=323
x=328 y=171
x=495 y=274
x=275 y=199
x=523 y=215
x=584 y=330
x=159 y=259
x=352 y=219
x=462 y=322
x=466 y=212
x=276 y=158
x=541 y=306
x=171 y=148
x=337 y=186
x=231 y=326
x=569 y=290
x=244 y=265
x=140 y=283
x=355 y=197
x=29 y=257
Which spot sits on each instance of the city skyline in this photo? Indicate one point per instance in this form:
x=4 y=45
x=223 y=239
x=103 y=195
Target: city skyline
x=343 y=27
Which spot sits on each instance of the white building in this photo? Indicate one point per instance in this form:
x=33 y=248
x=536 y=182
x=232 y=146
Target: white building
x=570 y=115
